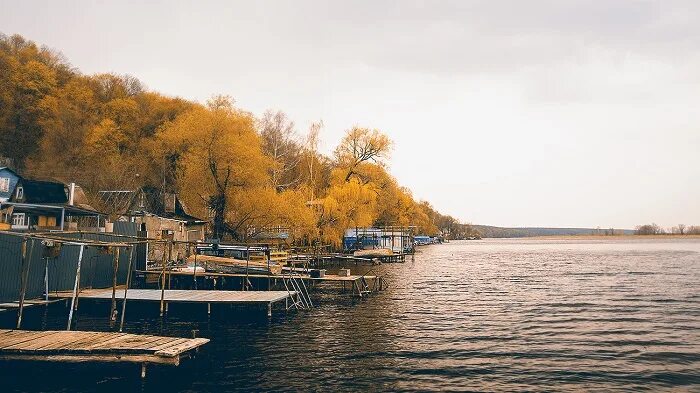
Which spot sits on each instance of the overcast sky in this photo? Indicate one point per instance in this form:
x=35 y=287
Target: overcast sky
x=518 y=113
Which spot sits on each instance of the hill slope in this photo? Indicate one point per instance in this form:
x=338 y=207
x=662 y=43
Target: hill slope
x=491 y=231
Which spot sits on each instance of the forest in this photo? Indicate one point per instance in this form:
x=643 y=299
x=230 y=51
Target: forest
x=243 y=173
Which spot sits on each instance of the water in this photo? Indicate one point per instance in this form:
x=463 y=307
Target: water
x=524 y=315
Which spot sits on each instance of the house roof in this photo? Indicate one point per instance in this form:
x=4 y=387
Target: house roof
x=37 y=191
x=48 y=208
x=4 y=167
x=128 y=202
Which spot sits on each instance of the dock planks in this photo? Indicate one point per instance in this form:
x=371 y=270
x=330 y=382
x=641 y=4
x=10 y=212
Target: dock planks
x=72 y=346
x=327 y=277
x=189 y=296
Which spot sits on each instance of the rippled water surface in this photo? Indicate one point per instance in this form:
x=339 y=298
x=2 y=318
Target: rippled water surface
x=536 y=315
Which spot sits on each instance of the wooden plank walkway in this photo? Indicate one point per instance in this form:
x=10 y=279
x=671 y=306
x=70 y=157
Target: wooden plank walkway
x=327 y=277
x=71 y=346
x=27 y=303
x=187 y=296
x=359 y=285
x=336 y=278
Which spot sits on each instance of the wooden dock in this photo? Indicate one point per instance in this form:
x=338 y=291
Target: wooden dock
x=208 y=297
x=304 y=276
x=13 y=306
x=67 y=346
x=358 y=285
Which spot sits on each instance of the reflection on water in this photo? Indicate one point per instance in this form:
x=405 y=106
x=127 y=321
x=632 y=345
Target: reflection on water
x=481 y=315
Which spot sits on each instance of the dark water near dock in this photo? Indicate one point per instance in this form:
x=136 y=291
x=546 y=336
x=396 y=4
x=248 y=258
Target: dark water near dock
x=535 y=315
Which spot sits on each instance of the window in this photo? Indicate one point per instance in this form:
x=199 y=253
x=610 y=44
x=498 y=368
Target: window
x=20 y=193
x=4 y=184
x=19 y=220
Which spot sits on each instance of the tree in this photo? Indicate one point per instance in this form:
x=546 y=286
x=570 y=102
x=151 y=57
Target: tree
x=218 y=158
x=311 y=159
x=348 y=204
x=361 y=145
x=648 y=229
x=279 y=142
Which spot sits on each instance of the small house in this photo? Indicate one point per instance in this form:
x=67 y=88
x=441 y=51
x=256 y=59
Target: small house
x=159 y=214
x=47 y=205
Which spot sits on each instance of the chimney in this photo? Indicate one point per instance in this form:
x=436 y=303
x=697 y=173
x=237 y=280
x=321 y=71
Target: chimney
x=169 y=202
x=71 y=194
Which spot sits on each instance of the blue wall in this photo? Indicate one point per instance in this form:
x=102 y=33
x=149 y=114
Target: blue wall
x=4 y=172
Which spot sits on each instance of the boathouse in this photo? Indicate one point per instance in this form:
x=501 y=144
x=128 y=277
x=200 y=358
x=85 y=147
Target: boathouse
x=398 y=239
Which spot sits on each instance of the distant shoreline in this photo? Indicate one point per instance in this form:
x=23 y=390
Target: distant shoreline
x=603 y=237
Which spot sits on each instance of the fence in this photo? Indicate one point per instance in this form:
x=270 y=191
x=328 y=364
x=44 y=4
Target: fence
x=58 y=273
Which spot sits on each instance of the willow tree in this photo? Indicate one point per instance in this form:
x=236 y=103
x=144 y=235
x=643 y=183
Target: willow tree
x=361 y=145
x=218 y=156
x=347 y=204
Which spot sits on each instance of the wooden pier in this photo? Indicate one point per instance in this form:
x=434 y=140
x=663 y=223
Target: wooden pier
x=208 y=297
x=67 y=346
x=359 y=285
x=14 y=306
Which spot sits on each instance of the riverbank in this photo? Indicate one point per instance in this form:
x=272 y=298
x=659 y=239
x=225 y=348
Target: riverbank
x=612 y=237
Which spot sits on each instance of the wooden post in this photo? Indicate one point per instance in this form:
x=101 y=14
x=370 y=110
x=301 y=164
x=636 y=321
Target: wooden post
x=75 y=287
x=46 y=279
x=194 y=271
x=169 y=276
x=247 y=262
x=162 y=284
x=126 y=287
x=24 y=278
x=115 y=269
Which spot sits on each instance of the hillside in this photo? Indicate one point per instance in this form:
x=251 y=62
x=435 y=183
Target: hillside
x=491 y=231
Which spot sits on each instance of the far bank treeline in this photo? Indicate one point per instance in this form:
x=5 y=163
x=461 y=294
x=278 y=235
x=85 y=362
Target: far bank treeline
x=245 y=174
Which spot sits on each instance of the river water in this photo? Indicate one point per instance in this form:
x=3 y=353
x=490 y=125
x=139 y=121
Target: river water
x=493 y=315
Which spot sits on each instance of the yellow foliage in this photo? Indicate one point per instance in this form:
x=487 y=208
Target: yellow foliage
x=347 y=205
x=361 y=145
x=107 y=132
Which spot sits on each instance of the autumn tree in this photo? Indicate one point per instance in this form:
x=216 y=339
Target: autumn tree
x=109 y=132
x=360 y=145
x=218 y=155
x=280 y=143
x=29 y=78
x=348 y=204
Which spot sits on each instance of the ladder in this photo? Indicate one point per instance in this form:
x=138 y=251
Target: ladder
x=294 y=282
x=363 y=287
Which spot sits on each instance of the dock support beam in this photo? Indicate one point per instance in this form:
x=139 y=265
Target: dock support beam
x=46 y=279
x=162 y=283
x=25 y=277
x=76 y=286
x=115 y=269
x=126 y=287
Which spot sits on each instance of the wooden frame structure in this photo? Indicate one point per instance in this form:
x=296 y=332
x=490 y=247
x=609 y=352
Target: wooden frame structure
x=65 y=346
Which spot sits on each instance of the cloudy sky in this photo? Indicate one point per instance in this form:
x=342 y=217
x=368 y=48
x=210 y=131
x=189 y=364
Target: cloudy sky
x=511 y=113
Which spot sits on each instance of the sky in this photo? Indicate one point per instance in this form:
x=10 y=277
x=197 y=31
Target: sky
x=508 y=113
